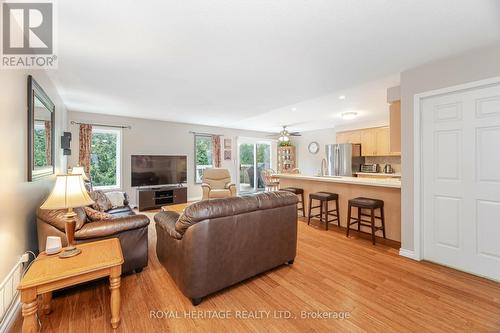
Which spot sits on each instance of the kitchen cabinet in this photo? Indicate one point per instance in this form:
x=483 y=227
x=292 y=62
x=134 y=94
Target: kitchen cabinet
x=395 y=127
x=368 y=142
x=374 y=141
x=349 y=137
x=382 y=141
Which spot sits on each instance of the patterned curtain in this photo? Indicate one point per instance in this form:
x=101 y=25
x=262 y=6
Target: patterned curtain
x=85 y=147
x=216 y=151
x=48 y=142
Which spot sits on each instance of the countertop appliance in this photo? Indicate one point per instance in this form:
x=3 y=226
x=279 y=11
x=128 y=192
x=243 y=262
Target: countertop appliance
x=370 y=168
x=343 y=159
x=388 y=169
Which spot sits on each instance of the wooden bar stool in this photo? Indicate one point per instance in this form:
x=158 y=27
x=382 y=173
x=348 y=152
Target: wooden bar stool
x=300 y=193
x=366 y=203
x=324 y=198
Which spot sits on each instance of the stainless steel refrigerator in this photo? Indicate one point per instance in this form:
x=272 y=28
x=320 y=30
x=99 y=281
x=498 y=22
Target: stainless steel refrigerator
x=343 y=159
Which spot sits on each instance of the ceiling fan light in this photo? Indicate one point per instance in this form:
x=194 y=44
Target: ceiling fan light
x=349 y=115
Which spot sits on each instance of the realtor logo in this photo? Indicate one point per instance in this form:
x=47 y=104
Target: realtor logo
x=28 y=35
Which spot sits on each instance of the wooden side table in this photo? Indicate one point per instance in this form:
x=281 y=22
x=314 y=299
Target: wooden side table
x=48 y=273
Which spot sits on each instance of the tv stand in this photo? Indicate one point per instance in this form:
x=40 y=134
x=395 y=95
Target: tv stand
x=156 y=197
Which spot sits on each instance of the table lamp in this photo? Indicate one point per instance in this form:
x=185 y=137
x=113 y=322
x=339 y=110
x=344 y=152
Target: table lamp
x=69 y=192
x=79 y=170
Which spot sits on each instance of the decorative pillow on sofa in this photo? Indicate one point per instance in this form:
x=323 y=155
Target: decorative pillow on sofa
x=116 y=198
x=95 y=215
x=101 y=201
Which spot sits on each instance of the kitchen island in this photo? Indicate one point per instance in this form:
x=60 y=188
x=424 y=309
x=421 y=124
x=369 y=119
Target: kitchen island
x=347 y=188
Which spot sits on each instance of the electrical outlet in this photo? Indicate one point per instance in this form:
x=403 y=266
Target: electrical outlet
x=25 y=257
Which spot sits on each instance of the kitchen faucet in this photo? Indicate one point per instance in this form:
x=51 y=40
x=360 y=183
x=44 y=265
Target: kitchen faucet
x=323 y=167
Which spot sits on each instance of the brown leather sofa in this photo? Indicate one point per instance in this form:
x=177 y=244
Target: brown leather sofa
x=129 y=228
x=217 y=243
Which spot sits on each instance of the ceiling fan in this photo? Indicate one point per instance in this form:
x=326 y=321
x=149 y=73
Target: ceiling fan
x=284 y=135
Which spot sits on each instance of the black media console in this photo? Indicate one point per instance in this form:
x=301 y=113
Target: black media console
x=155 y=197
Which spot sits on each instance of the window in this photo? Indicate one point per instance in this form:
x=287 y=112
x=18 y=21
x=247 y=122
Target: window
x=203 y=155
x=105 y=158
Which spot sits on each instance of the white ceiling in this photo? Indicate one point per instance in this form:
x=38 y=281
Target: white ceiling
x=245 y=64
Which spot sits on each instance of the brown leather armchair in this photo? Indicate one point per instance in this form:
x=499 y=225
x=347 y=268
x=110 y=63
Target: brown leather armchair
x=130 y=229
x=217 y=184
x=217 y=243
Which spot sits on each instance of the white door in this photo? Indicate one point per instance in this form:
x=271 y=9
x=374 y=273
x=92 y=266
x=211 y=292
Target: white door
x=461 y=180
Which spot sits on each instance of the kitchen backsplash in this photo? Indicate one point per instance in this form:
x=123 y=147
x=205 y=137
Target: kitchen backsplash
x=394 y=161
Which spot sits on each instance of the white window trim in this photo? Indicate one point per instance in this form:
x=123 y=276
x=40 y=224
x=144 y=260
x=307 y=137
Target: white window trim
x=195 y=162
x=118 y=131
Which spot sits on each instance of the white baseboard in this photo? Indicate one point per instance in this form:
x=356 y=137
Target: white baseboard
x=10 y=315
x=408 y=254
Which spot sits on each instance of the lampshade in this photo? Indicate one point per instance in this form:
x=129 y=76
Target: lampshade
x=79 y=170
x=68 y=192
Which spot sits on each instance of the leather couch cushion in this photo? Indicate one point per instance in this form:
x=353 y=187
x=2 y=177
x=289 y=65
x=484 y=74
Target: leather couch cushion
x=121 y=211
x=210 y=209
x=111 y=227
x=166 y=221
x=56 y=217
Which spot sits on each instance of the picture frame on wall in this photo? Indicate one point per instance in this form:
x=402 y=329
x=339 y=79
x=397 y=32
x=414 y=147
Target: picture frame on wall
x=228 y=144
x=227 y=155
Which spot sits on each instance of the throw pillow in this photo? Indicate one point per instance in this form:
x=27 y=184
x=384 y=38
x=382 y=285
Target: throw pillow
x=116 y=198
x=95 y=215
x=101 y=201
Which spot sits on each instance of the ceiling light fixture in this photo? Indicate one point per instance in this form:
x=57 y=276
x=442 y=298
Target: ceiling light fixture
x=349 y=115
x=294 y=109
x=342 y=97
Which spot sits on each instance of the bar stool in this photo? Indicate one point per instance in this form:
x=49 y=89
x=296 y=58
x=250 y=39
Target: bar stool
x=300 y=193
x=366 y=203
x=324 y=198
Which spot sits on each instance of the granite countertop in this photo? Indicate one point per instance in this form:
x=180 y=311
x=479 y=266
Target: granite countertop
x=381 y=182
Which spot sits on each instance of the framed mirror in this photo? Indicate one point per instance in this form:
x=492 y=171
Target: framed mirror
x=41 y=132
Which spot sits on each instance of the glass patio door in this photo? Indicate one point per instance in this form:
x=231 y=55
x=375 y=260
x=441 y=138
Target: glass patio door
x=254 y=156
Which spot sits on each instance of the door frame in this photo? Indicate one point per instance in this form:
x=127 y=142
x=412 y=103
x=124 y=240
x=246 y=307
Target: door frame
x=255 y=142
x=418 y=225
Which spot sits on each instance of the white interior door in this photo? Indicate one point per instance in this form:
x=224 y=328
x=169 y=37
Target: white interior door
x=461 y=180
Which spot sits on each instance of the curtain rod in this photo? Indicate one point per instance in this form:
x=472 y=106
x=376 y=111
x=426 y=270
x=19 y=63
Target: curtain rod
x=209 y=134
x=113 y=126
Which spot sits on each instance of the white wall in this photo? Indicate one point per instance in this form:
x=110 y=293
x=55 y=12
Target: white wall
x=19 y=199
x=157 y=137
x=467 y=67
x=310 y=164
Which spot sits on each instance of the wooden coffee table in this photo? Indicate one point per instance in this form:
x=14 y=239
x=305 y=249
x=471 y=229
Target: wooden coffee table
x=48 y=273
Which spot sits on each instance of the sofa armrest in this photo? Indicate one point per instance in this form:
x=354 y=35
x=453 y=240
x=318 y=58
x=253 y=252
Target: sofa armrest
x=111 y=227
x=231 y=187
x=206 y=191
x=166 y=221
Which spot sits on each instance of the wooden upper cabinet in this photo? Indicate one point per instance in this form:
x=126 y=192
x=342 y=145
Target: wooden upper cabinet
x=368 y=142
x=342 y=137
x=395 y=127
x=374 y=141
x=349 y=137
x=382 y=135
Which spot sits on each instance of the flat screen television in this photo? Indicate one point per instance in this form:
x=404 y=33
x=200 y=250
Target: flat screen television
x=152 y=170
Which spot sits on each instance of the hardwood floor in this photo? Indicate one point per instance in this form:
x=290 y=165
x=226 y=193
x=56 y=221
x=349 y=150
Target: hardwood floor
x=381 y=291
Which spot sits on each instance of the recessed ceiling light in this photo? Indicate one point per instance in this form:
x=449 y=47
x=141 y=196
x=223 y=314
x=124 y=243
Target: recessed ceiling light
x=294 y=109
x=349 y=115
x=342 y=97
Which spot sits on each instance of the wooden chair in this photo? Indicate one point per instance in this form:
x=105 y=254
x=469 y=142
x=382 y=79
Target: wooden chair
x=270 y=182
